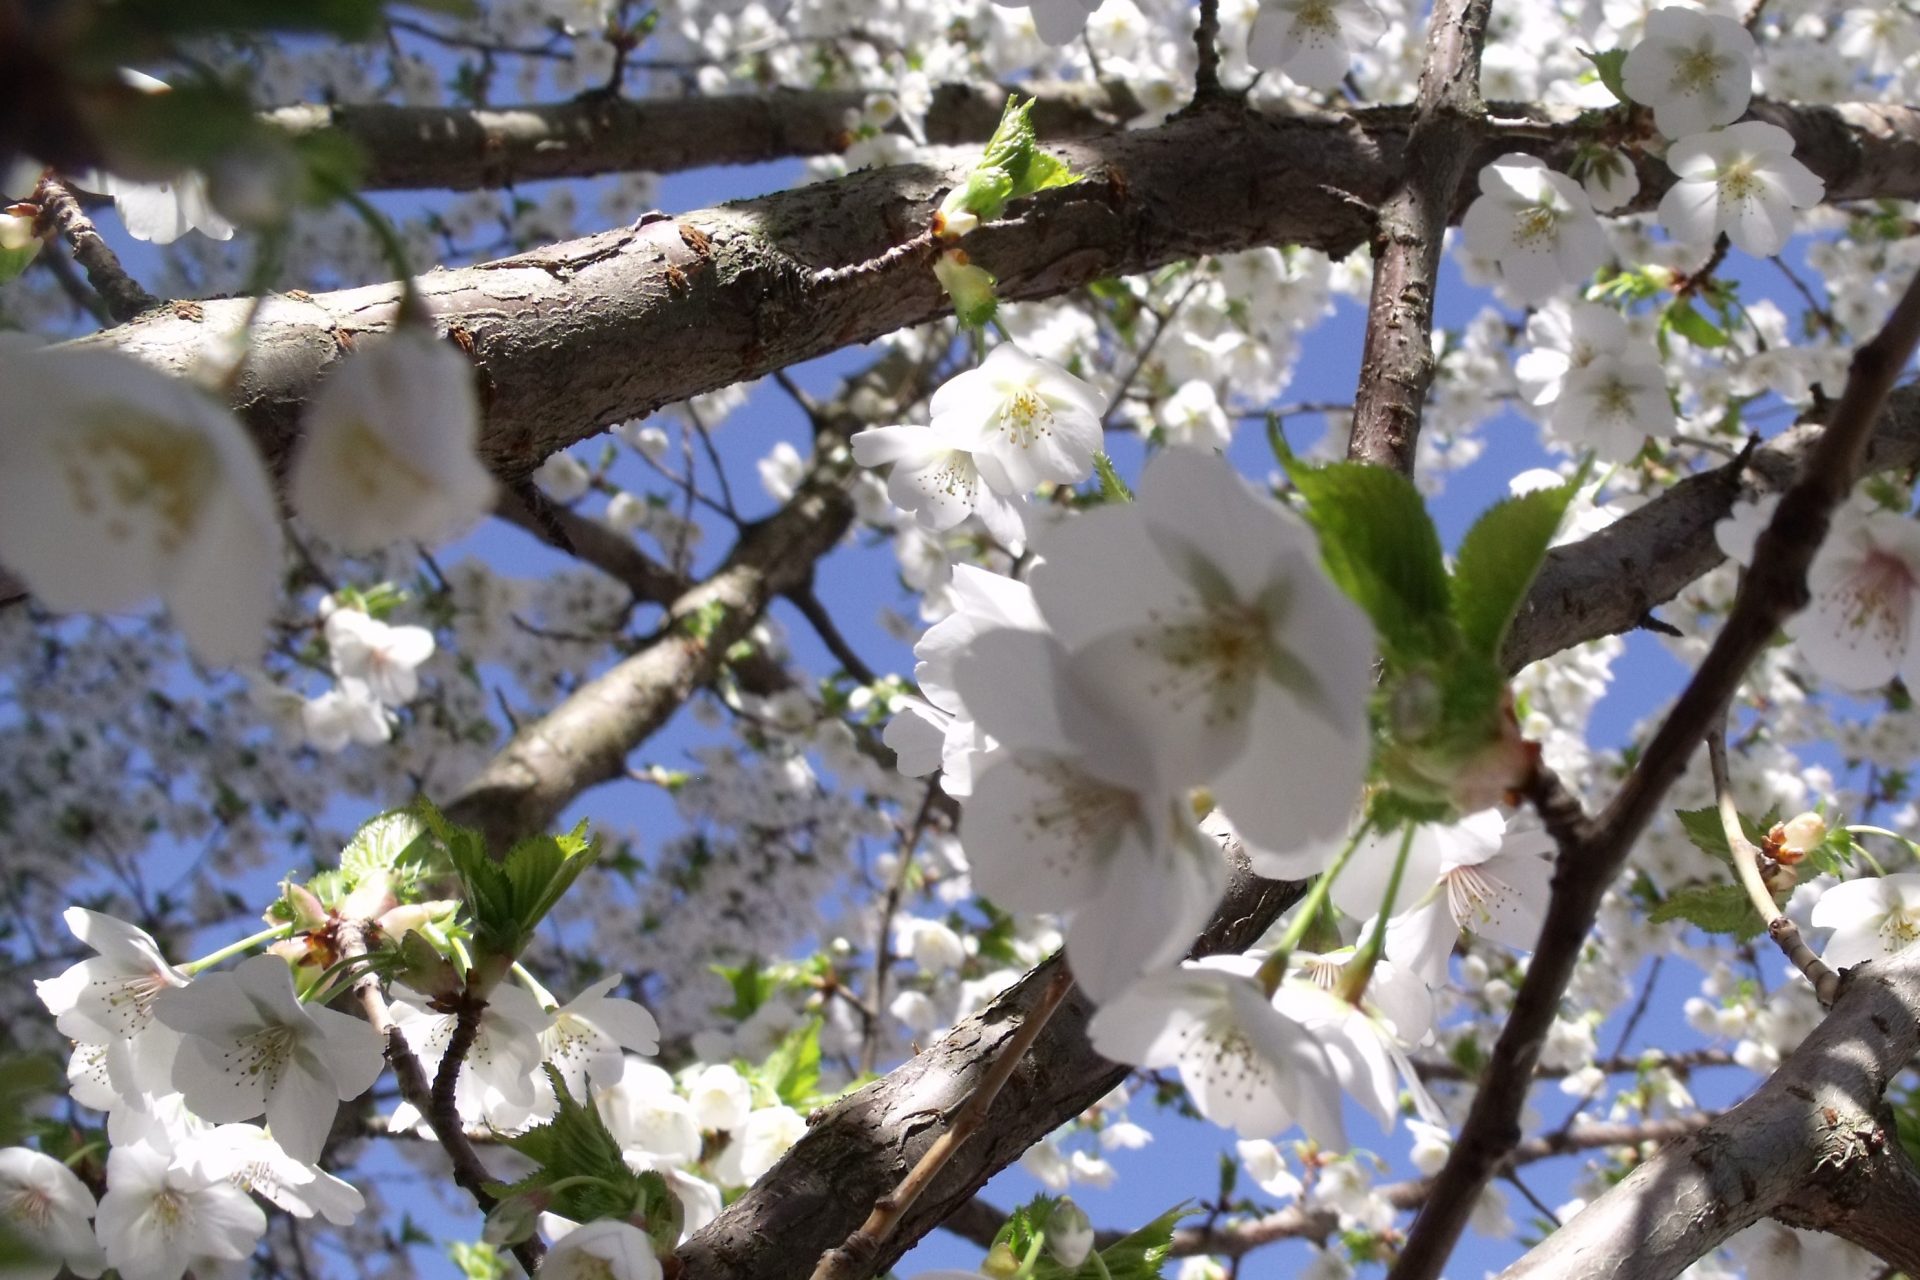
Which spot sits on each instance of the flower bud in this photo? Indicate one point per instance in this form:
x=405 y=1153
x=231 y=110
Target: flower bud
x=970 y=287
x=514 y=1219
x=1799 y=835
x=1069 y=1234
x=1000 y=1263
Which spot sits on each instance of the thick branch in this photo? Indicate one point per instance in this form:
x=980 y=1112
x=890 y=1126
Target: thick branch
x=727 y=294
x=465 y=148
x=1591 y=854
x=856 y=1150
x=1810 y=1146
x=122 y=294
x=1396 y=363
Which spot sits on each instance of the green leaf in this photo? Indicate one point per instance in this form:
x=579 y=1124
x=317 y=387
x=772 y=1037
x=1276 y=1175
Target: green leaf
x=478 y=1261
x=1380 y=547
x=14 y=261
x=792 y=1070
x=1498 y=560
x=397 y=844
x=1704 y=829
x=1714 y=908
x=1691 y=325
x=751 y=986
x=1607 y=66
x=582 y=1174
x=1112 y=487
x=1138 y=1255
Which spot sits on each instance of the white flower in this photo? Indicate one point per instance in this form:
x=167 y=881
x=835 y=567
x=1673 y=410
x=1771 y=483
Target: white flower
x=1312 y=41
x=604 y=1250
x=1070 y=814
x=1193 y=416
x=938 y=480
x=1610 y=180
x=108 y=1000
x=118 y=481
x=1859 y=629
x=653 y=1124
x=1246 y=1065
x=563 y=478
x=1268 y=1168
x=1612 y=404
x=1565 y=337
x=1742 y=180
x=496 y=1082
x=720 y=1097
x=940 y=733
x=1871 y=919
x=1058 y=21
x=348 y=712
x=1199 y=619
x=587 y=1034
x=44 y=1207
x=1026 y=421
x=934 y=947
x=1538 y=226
x=159 y=1218
x=386 y=657
x=759 y=1143
x=1694 y=69
x=161 y=212
x=387 y=452
x=251 y=1046
x=245 y=1155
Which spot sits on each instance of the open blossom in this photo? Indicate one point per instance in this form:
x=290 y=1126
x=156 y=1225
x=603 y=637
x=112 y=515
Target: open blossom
x=1058 y=21
x=653 y=1124
x=250 y=1046
x=1694 y=69
x=1246 y=1065
x=1741 y=180
x=1026 y=421
x=586 y=1037
x=386 y=657
x=346 y=713
x=161 y=1218
x=1538 y=225
x=1871 y=919
x=939 y=733
x=247 y=1156
x=118 y=481
x=1564 y=337
x=49 y=1210
x=938 y=480
x=1859 y=630
x=1200 y=620
x=107 y=1000
x=1312 y=41
x=496 y=1081
x=604 y=1250
x=758 y=1144
x=387 y=452
x=720 y=1097
x=1612 y=404
x=1610 y=180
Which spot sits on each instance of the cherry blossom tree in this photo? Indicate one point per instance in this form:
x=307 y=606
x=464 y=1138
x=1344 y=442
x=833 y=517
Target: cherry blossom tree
x=548 y=733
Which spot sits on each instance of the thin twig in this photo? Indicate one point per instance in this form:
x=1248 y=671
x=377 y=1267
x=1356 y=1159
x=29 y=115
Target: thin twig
x=882 y=949
x=1746 y=864
x=468 y=1171
x=122 y=294
x=1593 y=853
x=829 y=632
x=852 y=1259
x=1206 y=41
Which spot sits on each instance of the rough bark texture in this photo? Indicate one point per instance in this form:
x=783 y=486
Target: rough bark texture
x=1811 y=1146
x=858 y=1149
x=572 y=338
x=1396 y=361
x=465 y=149
x=1607 y=583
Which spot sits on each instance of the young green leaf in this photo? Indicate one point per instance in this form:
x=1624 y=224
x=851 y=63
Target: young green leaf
x=580 y=1169
x=1380 y=547
x=1713 y=908
x=1498 y=560
x=792 y=1070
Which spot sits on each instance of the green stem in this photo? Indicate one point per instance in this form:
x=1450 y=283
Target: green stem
x=1863 y=829
x=1353 y=983
x=391 y=246
x=232 y=949
x=1275 y=966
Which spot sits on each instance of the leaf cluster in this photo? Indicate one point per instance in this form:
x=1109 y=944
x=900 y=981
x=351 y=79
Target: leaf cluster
x=1138 y=1255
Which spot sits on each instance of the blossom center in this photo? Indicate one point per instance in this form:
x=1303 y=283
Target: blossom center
x=1696 y=70
x=265 y=1053
x=1080 y=811
x=1214 y=657
x=170 y=1211
x=1026 y=417
x=1876 y=595
x=1537 y=222
x=1900 y=928
x=1469 y=890
x=129 y=462
x=29 y=1205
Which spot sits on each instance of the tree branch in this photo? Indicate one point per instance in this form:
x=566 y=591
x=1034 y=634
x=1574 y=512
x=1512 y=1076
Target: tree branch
x=722 y=295
x=122 y=294
x=466 y=148
x=1811 y=1146
x=1396 y=362
x=1592 y=853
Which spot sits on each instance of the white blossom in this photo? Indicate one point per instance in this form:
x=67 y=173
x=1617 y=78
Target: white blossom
x=938 y=480
x=49 y=1211
x=118 y=481
x=160 y=1218
x=247 y=1156
x=250 y=1046
x=1742 y=181
x=1694 y=69
x=108 y=1000
x=1536 y=224
x=385 y=657
x=346 y=713
x=1871 y=918
x=1025 y=421
x=1312 y=41
x=387 y=452
x=496 y=1080
x=587 y=1034
x=1057 y=21
x=604 y=1250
